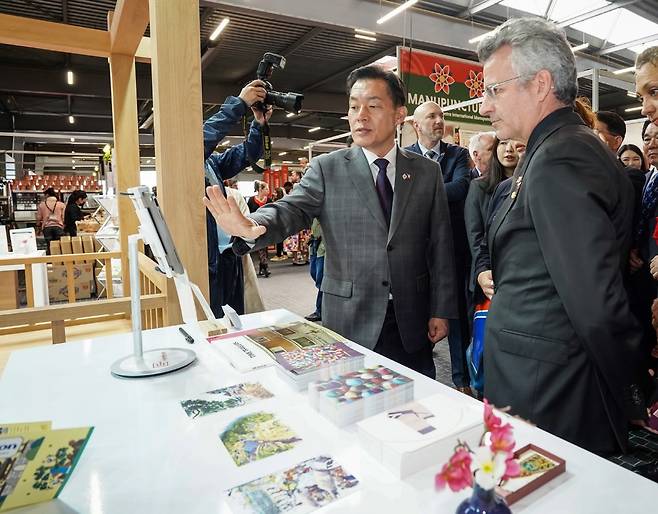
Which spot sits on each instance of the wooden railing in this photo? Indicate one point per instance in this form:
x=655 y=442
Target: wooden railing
x=68 y=261
x=156 y=299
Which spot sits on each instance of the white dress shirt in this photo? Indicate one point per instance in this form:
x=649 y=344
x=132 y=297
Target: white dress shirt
x=391 y=157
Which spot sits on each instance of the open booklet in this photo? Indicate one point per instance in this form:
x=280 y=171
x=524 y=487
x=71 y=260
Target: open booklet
x=36 y=461
x=256 y=348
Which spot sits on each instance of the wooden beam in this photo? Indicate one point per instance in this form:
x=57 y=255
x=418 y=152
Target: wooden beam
x=143 y=52
x=59 y=37
x=126 y=149
x=78 y=310
x=131 y=17
x=178 y=122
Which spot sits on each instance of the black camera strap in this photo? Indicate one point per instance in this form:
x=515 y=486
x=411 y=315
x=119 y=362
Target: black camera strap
x=267 y=146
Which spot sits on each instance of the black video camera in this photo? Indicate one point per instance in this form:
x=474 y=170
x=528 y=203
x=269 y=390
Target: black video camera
x=289 y=102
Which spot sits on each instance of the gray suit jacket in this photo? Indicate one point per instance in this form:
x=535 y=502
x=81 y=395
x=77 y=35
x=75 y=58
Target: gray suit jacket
x=364 y=259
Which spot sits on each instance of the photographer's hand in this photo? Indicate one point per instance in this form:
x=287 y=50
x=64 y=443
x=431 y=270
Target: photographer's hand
x=260 y=118
x=228 y=216
x=253 y=92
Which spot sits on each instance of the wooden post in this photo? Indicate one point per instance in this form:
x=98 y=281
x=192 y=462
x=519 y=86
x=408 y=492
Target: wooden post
x=178 y=122
x=126 y=30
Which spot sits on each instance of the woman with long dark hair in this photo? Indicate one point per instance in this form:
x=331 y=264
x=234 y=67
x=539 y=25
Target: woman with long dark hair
x=74 y=212
x=632 y=157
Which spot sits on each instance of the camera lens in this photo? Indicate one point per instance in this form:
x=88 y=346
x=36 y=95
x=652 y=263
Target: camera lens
x=289 y=102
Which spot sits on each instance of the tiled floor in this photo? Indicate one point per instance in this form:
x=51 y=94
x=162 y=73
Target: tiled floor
x=291 y=287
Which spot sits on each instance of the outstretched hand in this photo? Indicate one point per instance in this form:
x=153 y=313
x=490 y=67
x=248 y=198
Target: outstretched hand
x=228 y=216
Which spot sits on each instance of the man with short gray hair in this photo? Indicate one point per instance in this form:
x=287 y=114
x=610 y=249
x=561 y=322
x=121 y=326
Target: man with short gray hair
x=560 y=339
x=481 y=148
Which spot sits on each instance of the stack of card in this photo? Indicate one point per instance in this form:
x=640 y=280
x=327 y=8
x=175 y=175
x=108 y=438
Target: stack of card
x=301 y=367
x=420 y=434
x=351 y=397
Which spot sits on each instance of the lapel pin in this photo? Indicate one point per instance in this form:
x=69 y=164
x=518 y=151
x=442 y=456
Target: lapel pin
x=406 y=176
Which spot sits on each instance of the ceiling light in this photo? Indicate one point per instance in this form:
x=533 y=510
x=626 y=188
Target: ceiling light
x=367 y=32
x=480 y=37
x=71 y=120
x=226 y=143
x=73 y=167
x=286 y=162
x=396 y=11
x=291 y=114
x=632 y=94
x=72 y=140
x=73 y=161
x=72 y=151
x=148 y=161
x=367 y=38
x=483 y=5
x=95 y=169
x=314 y=129
x=628 y=44
x=69 y=78
x=633 y=109
x=344 y=118
x=218 y=30
x=630 y=69
x=282 y=154
x=578 y=48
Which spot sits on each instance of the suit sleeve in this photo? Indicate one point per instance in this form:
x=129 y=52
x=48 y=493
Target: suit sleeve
x=295 y=211
x=473 y=217
x=572 y=203
x=441 y=257
x=457 y=188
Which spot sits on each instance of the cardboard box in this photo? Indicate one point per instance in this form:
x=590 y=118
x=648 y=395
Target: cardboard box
x=57 y=282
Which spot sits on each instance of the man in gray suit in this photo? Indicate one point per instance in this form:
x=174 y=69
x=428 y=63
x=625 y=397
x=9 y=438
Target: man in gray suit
x=389 y=270
x=560 y=341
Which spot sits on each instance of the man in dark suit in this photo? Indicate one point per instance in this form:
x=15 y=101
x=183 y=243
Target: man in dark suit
x=429 y=124
x=560 y=340
x=389 y=273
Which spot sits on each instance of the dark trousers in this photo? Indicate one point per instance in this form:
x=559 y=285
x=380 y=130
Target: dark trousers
x=227 y=283
x=390 y=345
x=459 y=336
x=279 y=249
x=52 y=234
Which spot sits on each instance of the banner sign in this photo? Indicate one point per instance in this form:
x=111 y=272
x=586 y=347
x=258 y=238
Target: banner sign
x=444 y=80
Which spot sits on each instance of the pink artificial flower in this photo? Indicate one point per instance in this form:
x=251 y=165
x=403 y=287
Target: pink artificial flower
x=512 y=468
x=456 y=474
x=491 y=421
x=502 y=439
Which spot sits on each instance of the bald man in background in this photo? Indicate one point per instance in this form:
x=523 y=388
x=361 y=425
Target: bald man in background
x=429 y=124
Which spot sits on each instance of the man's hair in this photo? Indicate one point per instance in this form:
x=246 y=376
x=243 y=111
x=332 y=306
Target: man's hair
x=536 y=45
x=475 y=143
x=648 y=55
x=374 y=72
x=645 y=126
x=613 y=121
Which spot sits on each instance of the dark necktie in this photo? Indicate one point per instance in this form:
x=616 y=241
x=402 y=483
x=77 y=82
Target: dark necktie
x=432 y=155
x=384 y=189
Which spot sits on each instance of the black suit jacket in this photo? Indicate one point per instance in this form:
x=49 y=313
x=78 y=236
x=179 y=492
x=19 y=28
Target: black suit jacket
x=457 y=178
x=560 y=339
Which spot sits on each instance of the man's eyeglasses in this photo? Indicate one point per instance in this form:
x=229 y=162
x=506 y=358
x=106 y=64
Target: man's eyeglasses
x=493 y=90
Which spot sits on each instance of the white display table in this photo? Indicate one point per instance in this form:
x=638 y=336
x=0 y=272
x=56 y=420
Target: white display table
x=146 y=456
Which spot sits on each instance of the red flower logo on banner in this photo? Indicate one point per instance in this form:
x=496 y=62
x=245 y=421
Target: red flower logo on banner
x=442 y=78
x=475 y=84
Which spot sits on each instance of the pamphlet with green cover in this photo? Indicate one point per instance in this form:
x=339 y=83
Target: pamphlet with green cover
x=36 y=461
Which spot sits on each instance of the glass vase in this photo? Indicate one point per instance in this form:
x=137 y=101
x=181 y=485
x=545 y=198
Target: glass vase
x=483 y=501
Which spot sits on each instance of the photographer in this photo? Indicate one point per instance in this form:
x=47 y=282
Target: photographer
x=224 y=267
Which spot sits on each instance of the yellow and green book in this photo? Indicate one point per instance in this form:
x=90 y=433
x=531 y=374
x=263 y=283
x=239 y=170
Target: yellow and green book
x=36 y=461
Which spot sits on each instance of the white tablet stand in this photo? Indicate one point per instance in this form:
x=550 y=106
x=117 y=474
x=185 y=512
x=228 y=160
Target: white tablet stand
x=154 y=232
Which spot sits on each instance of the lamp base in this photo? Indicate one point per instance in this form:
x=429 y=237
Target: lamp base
x=153 y=362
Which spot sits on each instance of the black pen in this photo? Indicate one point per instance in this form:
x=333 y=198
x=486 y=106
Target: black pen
x=187 y=336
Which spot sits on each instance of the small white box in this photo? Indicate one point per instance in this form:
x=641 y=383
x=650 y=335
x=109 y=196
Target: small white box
x=421 y=433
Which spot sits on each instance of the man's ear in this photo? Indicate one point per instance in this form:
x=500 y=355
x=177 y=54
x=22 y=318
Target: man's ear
x=401 y=114
x=544 y=83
